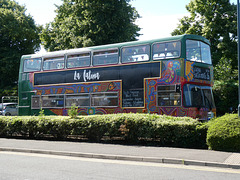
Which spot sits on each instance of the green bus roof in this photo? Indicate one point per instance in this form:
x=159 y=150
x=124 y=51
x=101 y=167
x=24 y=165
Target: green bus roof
x=118 y=45
x=132 y=43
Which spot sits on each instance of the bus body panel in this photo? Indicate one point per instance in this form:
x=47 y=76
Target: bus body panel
x=172 y=86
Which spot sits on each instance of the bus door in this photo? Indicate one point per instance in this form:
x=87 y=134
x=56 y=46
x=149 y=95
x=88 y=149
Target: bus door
x=25 y=95
x=24 y=107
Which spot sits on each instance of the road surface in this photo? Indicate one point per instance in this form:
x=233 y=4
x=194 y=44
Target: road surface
x=23 y=166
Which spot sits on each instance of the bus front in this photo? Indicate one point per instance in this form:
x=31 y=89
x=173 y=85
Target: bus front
x=198 y=79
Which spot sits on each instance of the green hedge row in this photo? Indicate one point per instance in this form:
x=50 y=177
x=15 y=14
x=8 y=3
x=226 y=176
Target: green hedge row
x=131 y=128
x=224 y=133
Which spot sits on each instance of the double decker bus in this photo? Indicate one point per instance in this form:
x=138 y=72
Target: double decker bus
x=172 y=76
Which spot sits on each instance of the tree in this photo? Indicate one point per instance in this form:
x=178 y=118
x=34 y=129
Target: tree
x=82 y=23
x=225 y=96
x=217 y=21
x=18 y=36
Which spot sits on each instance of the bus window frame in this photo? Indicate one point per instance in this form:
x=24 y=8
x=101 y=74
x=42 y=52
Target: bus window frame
x=149 y=53
x=200 y=49
x=39 y=101
x=163 y=42
x=106 y=50
x=52 y=95
x=104 y=95
x=89 y=96
x=78 y=94
x=40 y=68
x=189 y=95
x=176 y=90
x=45 y=59
x=75 y=54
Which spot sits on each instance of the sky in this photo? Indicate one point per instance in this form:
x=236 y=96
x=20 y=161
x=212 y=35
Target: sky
x=158 y=17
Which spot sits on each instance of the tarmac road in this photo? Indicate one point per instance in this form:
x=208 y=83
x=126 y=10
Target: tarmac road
x=124 y=152
x=24 y=166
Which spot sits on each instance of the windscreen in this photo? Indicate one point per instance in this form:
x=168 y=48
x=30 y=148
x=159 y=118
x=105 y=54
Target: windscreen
x=198 y=96
x=198 y=51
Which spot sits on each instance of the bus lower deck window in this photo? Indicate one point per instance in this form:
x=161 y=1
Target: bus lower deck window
x=169 y=95
x=53 y=101
x=80 y=100
x=36 y=102
x=104 y=99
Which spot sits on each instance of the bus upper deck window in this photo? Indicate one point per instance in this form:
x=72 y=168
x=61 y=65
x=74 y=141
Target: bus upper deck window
x=78 y=60
x=198 y=51
x=206 y=53
x=53 y=63
x=166 y=50
x=105 y=57
x=31 y=65
x=135 y=53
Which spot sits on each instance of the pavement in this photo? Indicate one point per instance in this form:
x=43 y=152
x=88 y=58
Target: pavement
x=124 y=152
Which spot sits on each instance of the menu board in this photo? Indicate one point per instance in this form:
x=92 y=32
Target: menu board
x=201 y=73
x=133 y=98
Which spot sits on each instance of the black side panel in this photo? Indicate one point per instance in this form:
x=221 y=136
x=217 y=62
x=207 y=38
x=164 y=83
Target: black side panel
x=132 y=77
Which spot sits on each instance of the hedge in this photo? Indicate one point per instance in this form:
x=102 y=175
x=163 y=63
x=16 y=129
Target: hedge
x=224 y=133
x=131 y=128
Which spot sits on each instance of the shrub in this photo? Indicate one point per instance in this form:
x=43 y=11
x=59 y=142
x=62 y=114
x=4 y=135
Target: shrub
x=96 y=127
x=130 y=128
x=224 y=133
x=41 y=112
x=180 y=132
x=31 y=126
x=137 y=126
x=73 y=111
x=59 y=127
x=3 y=126
x=15 y=126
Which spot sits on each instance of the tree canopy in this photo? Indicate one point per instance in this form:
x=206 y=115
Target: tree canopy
x=82 y=23
x=18 y=36
x=217 y=21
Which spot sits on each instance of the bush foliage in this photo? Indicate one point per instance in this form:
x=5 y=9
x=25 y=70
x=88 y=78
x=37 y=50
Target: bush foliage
x=225 y=93
x=130 y=128
x=221 y=133
x=224 y=133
